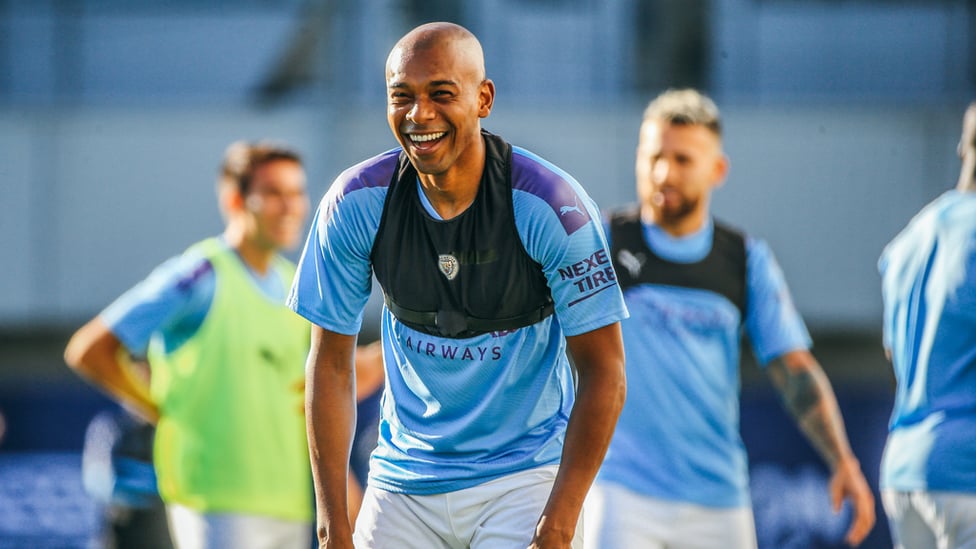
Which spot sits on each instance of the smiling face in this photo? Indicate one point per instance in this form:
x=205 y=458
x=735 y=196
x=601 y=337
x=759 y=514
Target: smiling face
x=276 y=205
x=678 y=166
x=437 y=95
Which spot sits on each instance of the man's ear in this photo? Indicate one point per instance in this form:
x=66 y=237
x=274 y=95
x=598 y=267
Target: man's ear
x=721 y=170
x=230 y=199
x=486 y=98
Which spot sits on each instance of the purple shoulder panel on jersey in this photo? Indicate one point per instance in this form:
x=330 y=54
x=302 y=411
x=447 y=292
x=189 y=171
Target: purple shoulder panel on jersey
x=535 y=176
x=375 y=172
x=190 y=279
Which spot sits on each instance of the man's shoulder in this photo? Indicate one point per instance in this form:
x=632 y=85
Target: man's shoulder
x=532 y=172
x=537 y=177
x=186 y=270
x=373 y=172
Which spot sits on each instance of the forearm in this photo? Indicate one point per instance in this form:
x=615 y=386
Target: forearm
x=98 y=357
x=599 y=400
x=808 y=396
x=330 y=417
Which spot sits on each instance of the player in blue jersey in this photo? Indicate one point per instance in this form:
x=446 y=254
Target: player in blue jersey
x=492 y=263
x=928 y=471
x=676 y=472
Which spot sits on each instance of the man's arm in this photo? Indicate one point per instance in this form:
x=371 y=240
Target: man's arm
x=97 y=355
x=330 y=411
x=599 y=360
x=807 y=394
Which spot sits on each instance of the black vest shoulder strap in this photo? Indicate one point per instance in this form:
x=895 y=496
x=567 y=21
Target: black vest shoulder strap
x=464 y=276
x=722 y=271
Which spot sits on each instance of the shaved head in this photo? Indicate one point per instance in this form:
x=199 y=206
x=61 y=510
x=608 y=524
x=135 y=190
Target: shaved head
x=437 y=94
x=430 y=36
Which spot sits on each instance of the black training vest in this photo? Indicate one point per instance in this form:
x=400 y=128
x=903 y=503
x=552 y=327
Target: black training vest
x=722 y=271
x=465 y=276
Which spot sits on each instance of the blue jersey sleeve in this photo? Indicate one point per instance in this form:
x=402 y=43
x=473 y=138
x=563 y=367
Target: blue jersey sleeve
x=561 y=229
x=173 y=301
x=772 y=321
x=334 y=276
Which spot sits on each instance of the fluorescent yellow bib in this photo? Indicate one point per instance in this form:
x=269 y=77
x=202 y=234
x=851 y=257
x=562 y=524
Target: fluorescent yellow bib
x=232 y=433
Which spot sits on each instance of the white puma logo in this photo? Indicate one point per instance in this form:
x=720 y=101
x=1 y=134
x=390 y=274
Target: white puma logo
x=574 y=208
x=631 y=262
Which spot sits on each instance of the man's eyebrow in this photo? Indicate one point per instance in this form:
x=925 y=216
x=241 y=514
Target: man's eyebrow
x=433 y=84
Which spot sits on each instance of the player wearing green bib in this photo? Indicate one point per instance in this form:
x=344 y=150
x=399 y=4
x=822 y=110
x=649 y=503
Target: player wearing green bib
x=227 y=365
x=232 y=382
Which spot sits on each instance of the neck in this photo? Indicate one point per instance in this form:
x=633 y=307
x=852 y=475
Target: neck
x=448 y=200
x=255 y=256
x=453 y=190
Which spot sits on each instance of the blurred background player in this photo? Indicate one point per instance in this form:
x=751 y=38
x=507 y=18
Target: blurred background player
x=928 y=471
x=676 y=472
x=227 y=365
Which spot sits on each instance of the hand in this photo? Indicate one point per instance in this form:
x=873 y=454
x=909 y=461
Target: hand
x=848 y=483
x=549 y=537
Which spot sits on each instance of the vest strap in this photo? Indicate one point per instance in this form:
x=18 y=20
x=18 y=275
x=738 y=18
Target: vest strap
x=452 y=323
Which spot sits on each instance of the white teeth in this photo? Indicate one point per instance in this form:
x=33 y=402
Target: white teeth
x=426 y=137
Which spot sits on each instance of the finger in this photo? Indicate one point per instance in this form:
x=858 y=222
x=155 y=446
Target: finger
x=864 y=519
x=858 y=531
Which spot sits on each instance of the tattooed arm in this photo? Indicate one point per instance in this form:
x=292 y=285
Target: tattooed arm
x=808 y=396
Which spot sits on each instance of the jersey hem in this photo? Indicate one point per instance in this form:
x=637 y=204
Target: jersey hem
x=320 y=321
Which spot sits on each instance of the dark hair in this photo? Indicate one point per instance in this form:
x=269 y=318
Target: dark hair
x=685 y=107
x=243 y=158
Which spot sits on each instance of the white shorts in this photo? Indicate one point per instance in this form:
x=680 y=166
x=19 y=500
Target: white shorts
x=616 y=517
x=192 y=529
x=931 y=520
x=499 y=514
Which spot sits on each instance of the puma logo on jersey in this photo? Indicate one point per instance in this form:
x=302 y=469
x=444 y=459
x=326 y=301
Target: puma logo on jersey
x=574 y=208
x=631 y=262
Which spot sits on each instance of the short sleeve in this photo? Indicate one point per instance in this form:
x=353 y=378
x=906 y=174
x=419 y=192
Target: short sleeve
x=173 y=299
x=772 y=321
x=334 y=276
x=562 y=229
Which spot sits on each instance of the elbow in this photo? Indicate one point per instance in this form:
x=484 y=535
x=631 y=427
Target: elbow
x=76 y=355
x=613 y=386
x=90 y=349
x=621 y=391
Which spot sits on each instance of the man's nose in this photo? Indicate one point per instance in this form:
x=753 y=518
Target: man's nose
x=661 y=170
x=420 y=111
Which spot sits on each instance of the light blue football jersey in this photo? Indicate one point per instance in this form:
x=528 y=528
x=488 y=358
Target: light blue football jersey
x=678 y=435
x=929 y=290
x=459 y=412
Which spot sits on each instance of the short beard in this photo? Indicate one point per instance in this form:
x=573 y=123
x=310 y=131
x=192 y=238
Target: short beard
x=672 y=216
